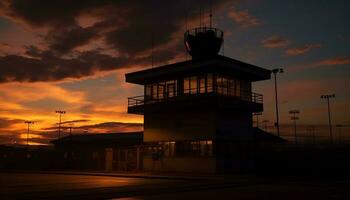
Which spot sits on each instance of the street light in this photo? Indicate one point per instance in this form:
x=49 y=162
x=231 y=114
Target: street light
x=327 y=97
x=60 y=112
x=275 y=71
x=28 y=124
x=295 y=118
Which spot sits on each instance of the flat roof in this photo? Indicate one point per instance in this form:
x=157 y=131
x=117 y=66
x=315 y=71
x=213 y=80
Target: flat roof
x=105 y=138
x=215 y=64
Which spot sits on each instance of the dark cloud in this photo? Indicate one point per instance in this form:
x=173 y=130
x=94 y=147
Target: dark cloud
x=75 y=121
x=125 y=26
x=67 y=39
x=106 y=127
x=6 y=123
x=46 y=66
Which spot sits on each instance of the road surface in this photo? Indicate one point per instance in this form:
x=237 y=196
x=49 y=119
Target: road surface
x=65 y=186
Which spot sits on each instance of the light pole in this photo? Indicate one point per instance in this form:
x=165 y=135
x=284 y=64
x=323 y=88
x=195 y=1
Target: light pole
x=275 y=71
x=60 y=112
x=28 y=124
x=265 y=123
x=295 y=118
x=257 y=114
x=327 y=97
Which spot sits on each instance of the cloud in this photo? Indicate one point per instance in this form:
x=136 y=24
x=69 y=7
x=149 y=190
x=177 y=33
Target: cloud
x=124 y=26
x=243 y=18
x=75 y=121
x=302 y=50
x=340 y=60
x=6 y=123
x=46 y=66
x=275 y=42
x=105 y=127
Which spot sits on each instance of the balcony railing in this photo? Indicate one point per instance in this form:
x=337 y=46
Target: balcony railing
x=242 y=95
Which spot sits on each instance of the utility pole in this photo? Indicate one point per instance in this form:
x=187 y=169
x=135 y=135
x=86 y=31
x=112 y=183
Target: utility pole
x=295 y=118
x=60 y=112
x=265 y=124
x=275 y=71
x=327 y=97
x=28 y=124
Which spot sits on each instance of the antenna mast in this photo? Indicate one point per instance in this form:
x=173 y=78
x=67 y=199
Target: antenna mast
x=211 y=14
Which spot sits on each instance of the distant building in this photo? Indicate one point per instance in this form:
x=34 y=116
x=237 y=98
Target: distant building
x=110 y=151
x=198 y=113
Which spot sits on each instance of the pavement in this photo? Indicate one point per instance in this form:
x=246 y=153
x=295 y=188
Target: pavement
x=100 y=185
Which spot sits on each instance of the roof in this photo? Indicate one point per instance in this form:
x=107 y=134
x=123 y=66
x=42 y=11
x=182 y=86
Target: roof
x=263 y=136
x=218 y=63
x=102 y=138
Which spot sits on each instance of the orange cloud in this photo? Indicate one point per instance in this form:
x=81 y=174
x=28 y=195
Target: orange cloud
x=302 y=50
x=341 y=60
x=334 y=61
x=242 y=17
x=275 y=42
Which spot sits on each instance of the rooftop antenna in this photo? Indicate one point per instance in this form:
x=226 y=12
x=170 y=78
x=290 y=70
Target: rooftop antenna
x=200 y=16
x=152 y=46
x=211 y=14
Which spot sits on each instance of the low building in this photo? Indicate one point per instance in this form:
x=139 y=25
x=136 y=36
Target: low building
x=110 y=151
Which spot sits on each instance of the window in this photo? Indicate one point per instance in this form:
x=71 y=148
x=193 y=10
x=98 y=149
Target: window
x=148 y=92
x=202 y=84
x=155 y=91
x=210 y=83
x=193 y=85
x=187 y=85
x=161 y=90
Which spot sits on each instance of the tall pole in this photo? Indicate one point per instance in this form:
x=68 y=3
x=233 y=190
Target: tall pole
x=28 y=124
x=277 y=124
x=327 y=97
x=60 y=112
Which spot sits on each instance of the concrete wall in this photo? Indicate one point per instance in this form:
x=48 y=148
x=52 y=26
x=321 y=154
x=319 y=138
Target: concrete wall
x=180 y=164
x=181 y=125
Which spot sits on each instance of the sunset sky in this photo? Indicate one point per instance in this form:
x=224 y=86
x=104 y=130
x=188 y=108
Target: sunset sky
x=72 y=56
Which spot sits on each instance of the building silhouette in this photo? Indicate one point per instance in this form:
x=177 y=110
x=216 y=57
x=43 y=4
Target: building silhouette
x=198 y=113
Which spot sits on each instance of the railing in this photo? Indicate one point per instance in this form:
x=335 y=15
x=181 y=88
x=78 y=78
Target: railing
x=136 y=101
x=217 y=32
x=239 y=94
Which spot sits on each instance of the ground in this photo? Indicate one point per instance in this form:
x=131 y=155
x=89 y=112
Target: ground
x=107 y=186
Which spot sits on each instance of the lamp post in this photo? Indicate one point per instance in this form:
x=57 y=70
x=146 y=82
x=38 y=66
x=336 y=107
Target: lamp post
x=60 y=112
x=327 y=97
x=28 y=124
x=275 y=71
x=295 y=118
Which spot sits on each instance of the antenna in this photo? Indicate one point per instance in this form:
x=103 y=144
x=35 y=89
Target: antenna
x=152 y=44
x=200 y=16
x=211 y=14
